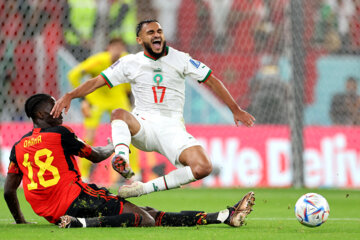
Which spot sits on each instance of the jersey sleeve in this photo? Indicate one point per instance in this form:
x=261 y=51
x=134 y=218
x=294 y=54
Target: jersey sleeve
x=117 y=73
x=13 y=166
x=73 y=145
x=196 y=69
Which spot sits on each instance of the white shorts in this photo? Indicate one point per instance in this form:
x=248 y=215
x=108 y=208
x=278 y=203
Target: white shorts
x=164 y=135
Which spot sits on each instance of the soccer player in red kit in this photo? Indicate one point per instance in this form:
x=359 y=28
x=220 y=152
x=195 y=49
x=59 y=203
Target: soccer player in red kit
x=44 y=159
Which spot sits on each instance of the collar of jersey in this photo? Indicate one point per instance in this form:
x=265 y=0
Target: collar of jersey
x=152 y=58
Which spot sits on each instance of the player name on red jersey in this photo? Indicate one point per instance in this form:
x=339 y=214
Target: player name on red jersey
x=32 y=141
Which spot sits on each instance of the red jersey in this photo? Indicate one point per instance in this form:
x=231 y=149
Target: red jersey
x=51 y=177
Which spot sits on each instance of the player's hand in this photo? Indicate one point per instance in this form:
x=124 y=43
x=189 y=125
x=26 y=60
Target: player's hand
x=63 y=103
x=109 y=141
x=110 y=145
x=85 y=108
x=246 y=118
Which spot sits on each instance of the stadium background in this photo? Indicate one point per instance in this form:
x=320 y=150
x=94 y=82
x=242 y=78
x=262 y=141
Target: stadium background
x=268 y=53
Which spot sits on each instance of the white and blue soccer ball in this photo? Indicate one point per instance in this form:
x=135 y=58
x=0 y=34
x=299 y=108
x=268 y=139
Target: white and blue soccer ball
x=312 y=210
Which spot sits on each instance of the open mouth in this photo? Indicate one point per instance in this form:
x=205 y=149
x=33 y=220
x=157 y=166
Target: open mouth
x=157 y=43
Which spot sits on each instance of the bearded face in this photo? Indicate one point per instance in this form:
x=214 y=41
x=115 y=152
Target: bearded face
x=152 y=38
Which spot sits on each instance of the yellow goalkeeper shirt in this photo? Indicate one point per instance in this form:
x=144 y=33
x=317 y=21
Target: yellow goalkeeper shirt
x=104 y=97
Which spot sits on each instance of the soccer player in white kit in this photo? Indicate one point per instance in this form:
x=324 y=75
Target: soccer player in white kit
x=157 y=77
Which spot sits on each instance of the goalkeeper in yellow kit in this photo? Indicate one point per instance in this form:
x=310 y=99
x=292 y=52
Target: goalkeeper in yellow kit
x=103 y=100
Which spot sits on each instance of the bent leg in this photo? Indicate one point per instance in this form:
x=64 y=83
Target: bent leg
x=123 y=115
x=123 y=126
x=146 y=216
x=97 y=207
x=147 y=219
x=196 y=158
x=197 y=166
x=132 y=216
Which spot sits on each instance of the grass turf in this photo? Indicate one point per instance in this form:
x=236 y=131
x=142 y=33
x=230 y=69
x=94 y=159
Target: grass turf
x=273 y=217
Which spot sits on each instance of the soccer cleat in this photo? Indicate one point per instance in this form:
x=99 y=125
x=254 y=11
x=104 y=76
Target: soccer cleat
x=240 y=210
x=120 y=165
x=135 y=189
x=67 y=221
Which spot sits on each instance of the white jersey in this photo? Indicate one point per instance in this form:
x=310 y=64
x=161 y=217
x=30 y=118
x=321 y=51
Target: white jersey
x=158 y=85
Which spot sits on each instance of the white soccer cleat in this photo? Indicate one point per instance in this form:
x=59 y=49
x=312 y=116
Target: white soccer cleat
x=135 y=189
x=241 y=209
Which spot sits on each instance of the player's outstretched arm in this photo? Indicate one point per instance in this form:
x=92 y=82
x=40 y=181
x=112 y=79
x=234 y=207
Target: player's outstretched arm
x=220 y=90
x=12 y=183
x=81 y=91
x=99 y=154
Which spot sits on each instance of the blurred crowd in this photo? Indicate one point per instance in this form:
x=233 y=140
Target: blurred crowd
x=345 y=105
x=251 y=35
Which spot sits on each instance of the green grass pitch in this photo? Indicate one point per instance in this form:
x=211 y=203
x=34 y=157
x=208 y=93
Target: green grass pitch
x=272 y=218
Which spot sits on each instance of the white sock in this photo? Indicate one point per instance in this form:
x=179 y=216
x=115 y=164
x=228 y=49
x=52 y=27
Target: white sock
x=223 y=215
x=83 y=222
x=121 y=138
x=172 y=180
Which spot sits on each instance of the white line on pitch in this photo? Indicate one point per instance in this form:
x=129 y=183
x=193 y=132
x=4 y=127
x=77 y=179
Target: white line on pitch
x=250 y=218
x=330 y=219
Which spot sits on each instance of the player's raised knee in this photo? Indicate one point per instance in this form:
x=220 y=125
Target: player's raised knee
x=202 y=170
x=119 y=113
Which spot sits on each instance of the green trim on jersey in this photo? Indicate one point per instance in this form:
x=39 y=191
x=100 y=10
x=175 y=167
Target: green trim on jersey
x=206 y=77
x=166 y=185
x=152 y=58
x=106 y=79
x=121 y=144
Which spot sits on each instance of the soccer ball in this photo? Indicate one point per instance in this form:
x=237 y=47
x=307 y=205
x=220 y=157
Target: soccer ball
x=312 y=210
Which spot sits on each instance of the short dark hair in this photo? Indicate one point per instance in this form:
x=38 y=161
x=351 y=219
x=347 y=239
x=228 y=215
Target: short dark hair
x=352 y=79
x=33 y=103
x=116 y=40
x=140 y=25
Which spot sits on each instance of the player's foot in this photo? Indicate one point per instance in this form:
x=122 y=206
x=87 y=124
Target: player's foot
x=67 y=221
x=121 y=166
x=240 y=210
x=135 y=189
